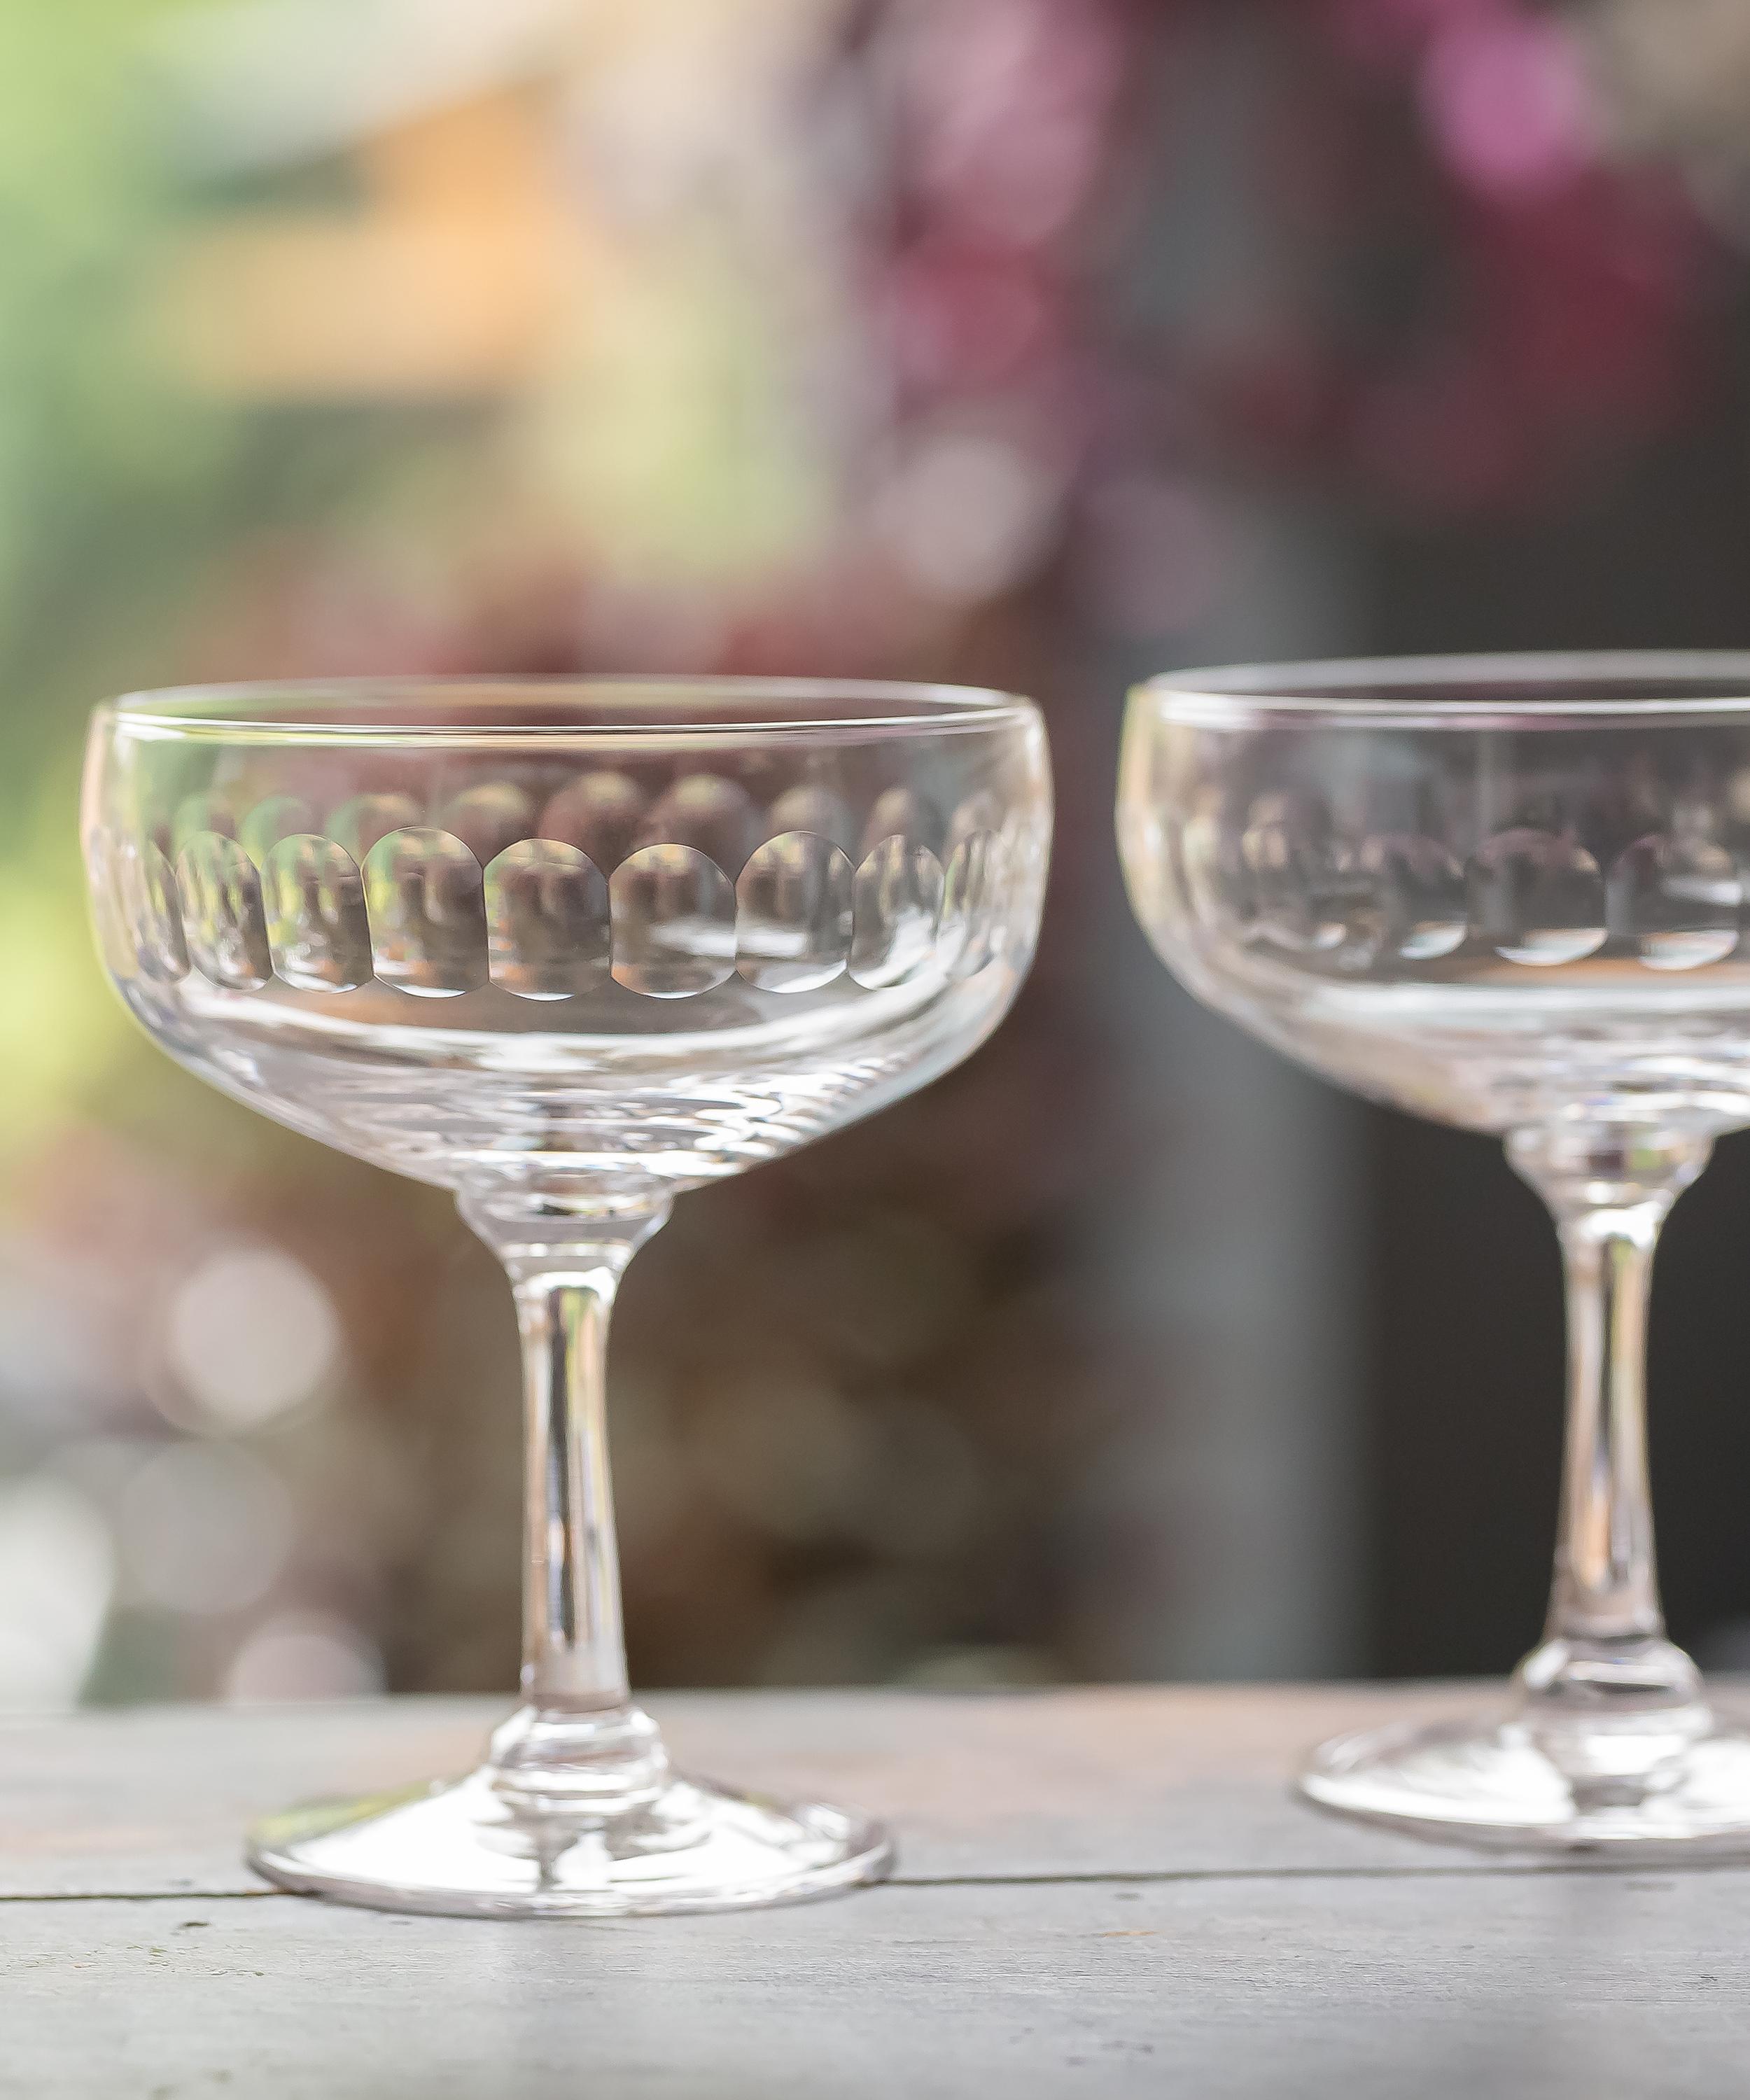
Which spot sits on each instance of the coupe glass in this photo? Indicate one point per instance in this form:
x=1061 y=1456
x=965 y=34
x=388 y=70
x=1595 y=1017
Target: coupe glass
x=1508 y=894
x=568 y=947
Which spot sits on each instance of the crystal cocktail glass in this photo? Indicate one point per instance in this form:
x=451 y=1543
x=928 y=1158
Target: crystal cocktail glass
x=568 y=947
x=1507 y=894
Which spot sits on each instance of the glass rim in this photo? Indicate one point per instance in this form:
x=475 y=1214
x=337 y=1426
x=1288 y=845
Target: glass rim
x=1529 y=689
x=316 y=710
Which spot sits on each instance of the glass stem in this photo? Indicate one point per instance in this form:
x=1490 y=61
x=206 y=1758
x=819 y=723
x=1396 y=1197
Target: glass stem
x=576 y=1740
x=573 y=1651
x=1604 y=1644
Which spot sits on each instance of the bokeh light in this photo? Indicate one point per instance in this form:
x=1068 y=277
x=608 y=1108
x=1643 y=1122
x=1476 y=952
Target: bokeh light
x=204 y=1527
x=248 y=1335
x=965 y=514
x=303 y=1654
x=1508 y=98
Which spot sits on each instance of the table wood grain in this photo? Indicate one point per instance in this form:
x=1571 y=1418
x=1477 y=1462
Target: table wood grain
x=1099 y=1892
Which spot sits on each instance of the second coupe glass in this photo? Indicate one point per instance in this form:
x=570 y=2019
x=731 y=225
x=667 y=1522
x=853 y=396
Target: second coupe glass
x=568 y=947
x=1508 y=894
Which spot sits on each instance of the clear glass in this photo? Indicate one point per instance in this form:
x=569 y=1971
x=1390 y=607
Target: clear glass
x=1507 y=894
x=568 y=948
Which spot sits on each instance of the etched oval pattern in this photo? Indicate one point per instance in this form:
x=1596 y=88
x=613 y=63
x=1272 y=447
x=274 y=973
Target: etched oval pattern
x=971 y=905
x=1296 y=877
x=317 y=931
x=423 y=897
x=548 y=934
x=1215 y=878
x=794 y=913
x=718 y=820
x=438 y=910
x=599 y=812
x=1680 y=902
x=223 y=918
x=898 y=902
x=544 y=921
x=199 y=813
x=357 y=825
x=150 y=911
x=1418 y=892
x=488 y=818
x=674 y=922
x=280 y=816
x=1536 y=897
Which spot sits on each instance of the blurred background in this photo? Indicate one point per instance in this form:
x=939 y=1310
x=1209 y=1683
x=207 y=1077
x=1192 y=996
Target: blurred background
x=1039 y=342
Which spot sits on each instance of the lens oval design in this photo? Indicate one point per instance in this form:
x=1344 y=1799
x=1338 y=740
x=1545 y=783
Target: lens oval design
x=794 y=913
x=196 y=813
x=898 y=903
x=423 y=897
x=359 y=824
x=1215 y=882
x=673 y=913
x=1680 y=902
x=488 y=817
x=1537 y=899
x=714 y=817
x=317 y=934
x=971 y=918
x=902 y=813
x=600 y=813
x=1300 y=888
x=810 y=807
x=1418 y=892
x=151 y=912
x=280 y=816
x=547 y=933
x=223 y=920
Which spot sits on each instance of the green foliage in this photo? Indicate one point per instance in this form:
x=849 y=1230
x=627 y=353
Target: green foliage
x=106 y=480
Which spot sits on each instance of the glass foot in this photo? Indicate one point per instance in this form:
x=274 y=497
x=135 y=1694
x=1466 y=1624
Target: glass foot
x=471 y=1848
x=1507 y=1783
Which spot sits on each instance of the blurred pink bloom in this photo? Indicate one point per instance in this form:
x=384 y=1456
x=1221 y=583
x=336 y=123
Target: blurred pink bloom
x=964 y=316
x=1507 y=100
x=1010 y=99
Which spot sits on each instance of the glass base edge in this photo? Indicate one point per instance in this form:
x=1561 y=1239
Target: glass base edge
x=1490 y=1783
x=463 y=1848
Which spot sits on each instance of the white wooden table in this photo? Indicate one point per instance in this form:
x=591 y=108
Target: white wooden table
x=1099 y=1892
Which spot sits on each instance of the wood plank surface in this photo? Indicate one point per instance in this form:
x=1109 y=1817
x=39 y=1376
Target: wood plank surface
x=1103 y=1893
x=1128 y=1780
x=1534 y=1986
